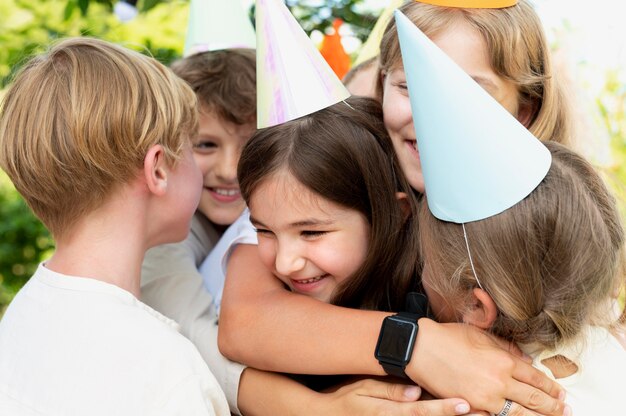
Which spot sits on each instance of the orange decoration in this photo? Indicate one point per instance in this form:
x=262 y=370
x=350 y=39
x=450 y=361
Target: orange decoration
x=332 y=50
x=472 y=4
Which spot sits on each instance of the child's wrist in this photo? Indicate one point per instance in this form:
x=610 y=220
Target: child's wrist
x=421 y=349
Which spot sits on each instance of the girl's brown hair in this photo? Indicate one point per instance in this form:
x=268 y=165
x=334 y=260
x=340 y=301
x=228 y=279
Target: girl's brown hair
x=550 y=262
x=343 y=154
x=519 y=53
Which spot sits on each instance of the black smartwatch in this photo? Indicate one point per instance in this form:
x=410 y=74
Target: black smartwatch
x=397 y=336
x=395 y=342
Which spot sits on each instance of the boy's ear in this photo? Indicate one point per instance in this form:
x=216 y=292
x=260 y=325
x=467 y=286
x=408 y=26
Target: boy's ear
x=403 y=201
x=483 y=310
x=155 y=170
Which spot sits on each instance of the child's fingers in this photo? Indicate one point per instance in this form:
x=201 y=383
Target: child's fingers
x=529 y=400
x=445 y=407
x=389 y=391
x=532 y=377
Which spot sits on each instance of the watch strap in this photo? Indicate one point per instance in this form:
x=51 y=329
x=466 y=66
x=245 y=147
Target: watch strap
x=393 y=370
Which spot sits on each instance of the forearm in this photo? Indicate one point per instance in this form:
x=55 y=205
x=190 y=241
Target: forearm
x=265 y=326
x=263 y=393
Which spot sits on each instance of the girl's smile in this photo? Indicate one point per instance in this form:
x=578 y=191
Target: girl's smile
x=311 y=244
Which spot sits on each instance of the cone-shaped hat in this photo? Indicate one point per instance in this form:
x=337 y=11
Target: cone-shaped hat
x=293 y=79
x=477 y=159
x=218 y=24
x=371 y=47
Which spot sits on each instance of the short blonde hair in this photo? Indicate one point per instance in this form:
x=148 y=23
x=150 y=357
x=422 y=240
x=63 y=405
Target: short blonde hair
x=551 y=262
x=518 y=50
x=78 y=121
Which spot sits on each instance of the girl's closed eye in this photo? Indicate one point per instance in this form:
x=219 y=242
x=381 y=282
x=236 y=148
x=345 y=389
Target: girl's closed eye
x=263 y=231
x=313 y=233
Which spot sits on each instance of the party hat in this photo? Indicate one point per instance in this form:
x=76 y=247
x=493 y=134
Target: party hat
x=218 y=24
x=293 y=79
x=333 y=52
x=477 y=159
x=472 y=4
x=371 y=47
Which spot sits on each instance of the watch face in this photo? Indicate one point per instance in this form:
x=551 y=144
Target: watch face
x=396 y=339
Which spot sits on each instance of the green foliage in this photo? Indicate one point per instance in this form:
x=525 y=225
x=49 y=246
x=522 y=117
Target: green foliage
x=25 y=242
x=29 y=26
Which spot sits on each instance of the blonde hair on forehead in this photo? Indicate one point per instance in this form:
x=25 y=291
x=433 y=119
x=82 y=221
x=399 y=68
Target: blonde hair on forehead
x=550 y=263
x=519 y=53
x=78 y=121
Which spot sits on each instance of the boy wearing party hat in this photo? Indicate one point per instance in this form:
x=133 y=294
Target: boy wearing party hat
x=519 y=238
x=219 y=66
x=106 y=164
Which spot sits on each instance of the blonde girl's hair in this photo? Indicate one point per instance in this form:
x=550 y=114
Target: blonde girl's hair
x=551 y=262
x=78 y=121
x=519 y=53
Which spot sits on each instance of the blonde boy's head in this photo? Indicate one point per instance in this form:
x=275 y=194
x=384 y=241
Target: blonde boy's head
x=78 y=121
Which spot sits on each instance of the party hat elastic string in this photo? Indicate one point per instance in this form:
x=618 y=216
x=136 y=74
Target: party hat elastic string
x=469 y=254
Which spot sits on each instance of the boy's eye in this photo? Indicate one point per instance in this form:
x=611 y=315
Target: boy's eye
x=204 y=146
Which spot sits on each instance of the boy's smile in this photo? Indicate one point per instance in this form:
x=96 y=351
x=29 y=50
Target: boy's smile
x=217 y=149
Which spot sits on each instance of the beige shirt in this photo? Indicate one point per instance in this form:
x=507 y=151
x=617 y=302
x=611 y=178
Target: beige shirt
x=171 y=284
x=78 y=346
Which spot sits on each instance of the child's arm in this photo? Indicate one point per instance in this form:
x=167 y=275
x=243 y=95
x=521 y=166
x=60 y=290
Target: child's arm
x=258 y=316
x=263 y=393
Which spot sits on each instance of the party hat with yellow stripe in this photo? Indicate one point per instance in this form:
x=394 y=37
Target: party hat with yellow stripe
x=371 y=47
x=218 y=24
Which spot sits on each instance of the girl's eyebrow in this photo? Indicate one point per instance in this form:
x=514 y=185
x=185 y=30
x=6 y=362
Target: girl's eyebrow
x=303 y=223
x=309 y=222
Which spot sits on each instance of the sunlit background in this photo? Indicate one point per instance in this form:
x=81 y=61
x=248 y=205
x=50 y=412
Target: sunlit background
x=588 y=39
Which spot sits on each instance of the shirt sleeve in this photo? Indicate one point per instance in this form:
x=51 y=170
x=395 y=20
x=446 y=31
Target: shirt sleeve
x=203 y=334
x=213 y=269
x=194 y=396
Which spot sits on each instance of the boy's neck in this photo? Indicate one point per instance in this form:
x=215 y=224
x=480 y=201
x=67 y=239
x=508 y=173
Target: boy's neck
x=107 y=245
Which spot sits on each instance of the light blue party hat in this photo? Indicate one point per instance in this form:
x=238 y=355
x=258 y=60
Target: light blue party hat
x=218 y=24
x=293 y=79
x=477 y=159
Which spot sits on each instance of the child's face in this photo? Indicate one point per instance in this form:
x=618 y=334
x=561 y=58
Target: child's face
x=217 y=149
x=309 y=243
x=465 y=46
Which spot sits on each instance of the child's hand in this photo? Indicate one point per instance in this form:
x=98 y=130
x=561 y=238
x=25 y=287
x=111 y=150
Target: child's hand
x=374 y=397
x=457 y=360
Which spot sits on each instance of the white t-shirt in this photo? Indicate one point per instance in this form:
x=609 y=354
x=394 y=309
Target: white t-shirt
x=213 y=269
x=79 y=346
x=172 y=284
x=598 y=386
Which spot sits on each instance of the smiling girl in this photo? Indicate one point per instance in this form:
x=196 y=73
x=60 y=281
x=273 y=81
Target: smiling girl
x=331 y=209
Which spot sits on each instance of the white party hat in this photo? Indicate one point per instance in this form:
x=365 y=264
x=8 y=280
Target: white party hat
x=293 y=79
x=218 y=24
